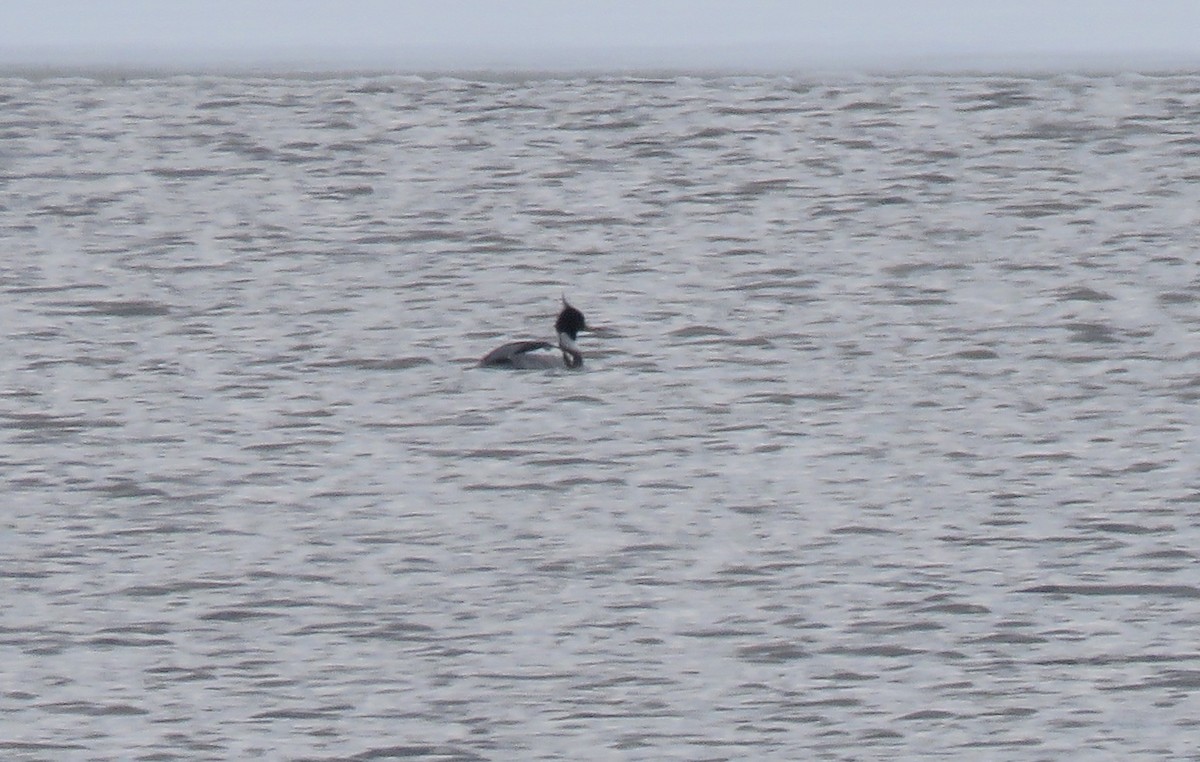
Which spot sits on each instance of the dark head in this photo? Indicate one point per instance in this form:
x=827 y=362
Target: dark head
x=570 y=321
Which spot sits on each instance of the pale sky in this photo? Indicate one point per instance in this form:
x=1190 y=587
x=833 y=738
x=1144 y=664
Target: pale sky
x=608 y=34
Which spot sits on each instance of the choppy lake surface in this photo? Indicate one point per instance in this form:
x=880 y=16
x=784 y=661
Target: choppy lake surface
x=888 y=448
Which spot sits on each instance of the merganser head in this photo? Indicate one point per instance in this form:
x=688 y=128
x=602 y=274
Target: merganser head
x=568 y=325
x=570 y=321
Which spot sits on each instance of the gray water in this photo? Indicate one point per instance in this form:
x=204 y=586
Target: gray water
x=887 y=448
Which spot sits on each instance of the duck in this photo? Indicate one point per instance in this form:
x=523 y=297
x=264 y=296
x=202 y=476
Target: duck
x=524 y=355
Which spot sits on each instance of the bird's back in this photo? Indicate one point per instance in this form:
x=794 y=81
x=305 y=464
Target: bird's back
x=517 y=354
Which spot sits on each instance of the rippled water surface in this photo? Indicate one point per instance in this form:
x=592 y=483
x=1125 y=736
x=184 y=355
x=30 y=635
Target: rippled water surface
x=887 y=448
